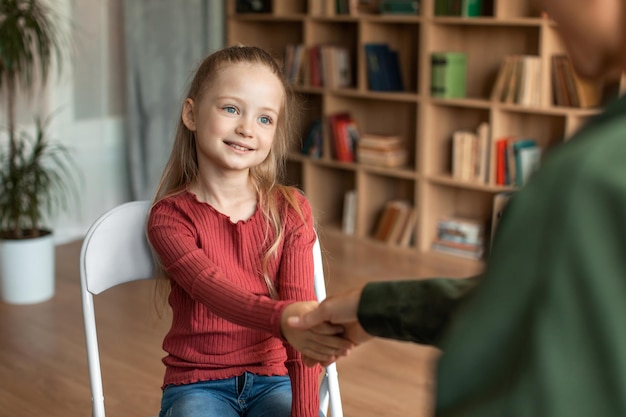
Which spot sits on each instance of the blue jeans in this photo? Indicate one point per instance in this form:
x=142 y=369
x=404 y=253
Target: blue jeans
x=248 y=394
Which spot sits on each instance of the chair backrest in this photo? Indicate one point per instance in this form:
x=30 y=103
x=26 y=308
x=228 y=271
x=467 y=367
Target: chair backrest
x=115 y=250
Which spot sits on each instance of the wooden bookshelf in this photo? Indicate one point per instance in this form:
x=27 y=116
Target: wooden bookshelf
x=426 y=123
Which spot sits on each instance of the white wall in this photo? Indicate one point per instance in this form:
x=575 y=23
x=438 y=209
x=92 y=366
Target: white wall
x=91 y=101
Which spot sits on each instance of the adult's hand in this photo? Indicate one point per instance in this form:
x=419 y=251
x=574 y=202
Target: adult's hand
x=335 y=310
x=319 y=343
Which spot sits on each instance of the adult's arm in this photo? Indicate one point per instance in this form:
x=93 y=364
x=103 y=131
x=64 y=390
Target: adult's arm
x=412 y=310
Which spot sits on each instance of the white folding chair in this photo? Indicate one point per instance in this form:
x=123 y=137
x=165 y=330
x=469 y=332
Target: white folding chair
x=115 y=251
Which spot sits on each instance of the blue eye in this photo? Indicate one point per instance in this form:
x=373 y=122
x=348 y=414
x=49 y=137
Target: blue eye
x=230 y=109
x=265 y=120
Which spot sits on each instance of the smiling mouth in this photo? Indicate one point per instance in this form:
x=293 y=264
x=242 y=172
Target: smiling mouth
x=238 y=147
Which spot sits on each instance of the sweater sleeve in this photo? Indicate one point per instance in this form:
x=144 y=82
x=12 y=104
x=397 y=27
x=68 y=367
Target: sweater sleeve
x=173 y=238
x=296 y=283
x=412 y=310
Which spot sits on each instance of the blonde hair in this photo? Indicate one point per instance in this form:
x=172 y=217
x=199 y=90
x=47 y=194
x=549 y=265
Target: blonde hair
x=182 y=166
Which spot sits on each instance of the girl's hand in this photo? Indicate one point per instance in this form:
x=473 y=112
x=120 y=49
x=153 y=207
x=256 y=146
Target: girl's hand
x=322 y=343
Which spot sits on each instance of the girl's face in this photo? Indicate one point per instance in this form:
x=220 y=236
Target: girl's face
x=235 y=119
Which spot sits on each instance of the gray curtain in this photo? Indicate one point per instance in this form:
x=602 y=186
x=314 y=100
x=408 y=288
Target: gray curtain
x=165 y=40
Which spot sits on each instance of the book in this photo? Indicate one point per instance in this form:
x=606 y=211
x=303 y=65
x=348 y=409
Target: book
x=343 y=68
x=399 y=7
x=387 y=219
x=528 y=161
x=353 y=137
x=501 y=156
x=471 y=154
x=460 y=236
x=441 y=7
x=403 y=209
x=465 y=8
x=335 y=66
x=374 y=64
x=448 y=74
x=341 y=140
x=484 y=152
x=469 y=144
x=518 y=80
x=471 y=8
x=288 y=62
x=312 y=145
x=383 y=68
x=382 y=150
x=457 y=154
x=348 y=221
x=390 y=159
x=500 y=200
x=560 y=73
x=314 y=71
x=499 y=86
x=528 y=91
x=571 y=90
x=461 y=230
x=583 y=93
x=458 y=249
x=521 y=172
x=380 y=142
x=392 y=71
x=342 y=7
x=510 y=165
x=511 y=92
x=409 y=229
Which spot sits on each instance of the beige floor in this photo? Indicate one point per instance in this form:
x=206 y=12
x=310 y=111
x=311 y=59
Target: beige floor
x=43 y=369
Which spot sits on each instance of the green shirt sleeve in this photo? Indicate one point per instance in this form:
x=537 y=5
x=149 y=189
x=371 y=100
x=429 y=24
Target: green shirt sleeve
x=411 y=310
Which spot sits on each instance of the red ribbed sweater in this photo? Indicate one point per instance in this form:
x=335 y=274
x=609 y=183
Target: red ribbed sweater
x=223 y=321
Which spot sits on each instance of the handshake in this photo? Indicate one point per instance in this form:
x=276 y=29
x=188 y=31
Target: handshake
x=324 y=332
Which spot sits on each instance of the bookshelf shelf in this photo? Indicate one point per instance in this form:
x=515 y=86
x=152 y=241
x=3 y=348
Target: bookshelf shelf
x=425 y=123
x=488 y=21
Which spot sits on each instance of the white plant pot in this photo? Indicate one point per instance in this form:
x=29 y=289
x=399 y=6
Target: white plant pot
x=27 y=274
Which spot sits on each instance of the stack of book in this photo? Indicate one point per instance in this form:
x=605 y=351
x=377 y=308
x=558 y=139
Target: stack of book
x=396 y=224
x=381 y=150
x=460 y=236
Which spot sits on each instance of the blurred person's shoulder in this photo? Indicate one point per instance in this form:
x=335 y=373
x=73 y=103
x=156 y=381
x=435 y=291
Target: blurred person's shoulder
x=595 y=156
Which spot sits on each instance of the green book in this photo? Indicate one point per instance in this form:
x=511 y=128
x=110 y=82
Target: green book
x=441 y=7
x=471 y=8
x=448 y=74
x=465 y=8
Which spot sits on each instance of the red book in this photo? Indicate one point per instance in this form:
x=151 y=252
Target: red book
x=501 y=145
x=341 y=148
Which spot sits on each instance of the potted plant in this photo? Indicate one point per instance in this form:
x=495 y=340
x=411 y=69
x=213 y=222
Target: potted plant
x=35 y=174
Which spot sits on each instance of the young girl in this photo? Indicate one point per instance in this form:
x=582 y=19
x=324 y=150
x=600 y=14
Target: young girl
x=237 y=248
